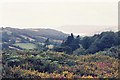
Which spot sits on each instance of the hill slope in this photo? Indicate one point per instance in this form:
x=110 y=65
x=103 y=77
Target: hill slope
x=15 y=35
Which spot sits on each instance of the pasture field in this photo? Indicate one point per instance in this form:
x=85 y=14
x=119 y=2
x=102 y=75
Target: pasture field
x=26 y=45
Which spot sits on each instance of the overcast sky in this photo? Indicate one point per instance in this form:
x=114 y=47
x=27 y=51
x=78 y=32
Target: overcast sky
x=77 y=16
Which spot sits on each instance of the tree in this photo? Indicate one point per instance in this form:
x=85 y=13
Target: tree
x=63 y=43
x=86 y=42
x=46 y=44
x=70 y=44
x=5 y=37
x=103 y=41
x=75 y=44
x=107 y=40
x=69 y=39
x=77 y=40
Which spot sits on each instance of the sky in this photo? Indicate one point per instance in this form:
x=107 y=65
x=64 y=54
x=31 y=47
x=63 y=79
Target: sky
x=83 y=17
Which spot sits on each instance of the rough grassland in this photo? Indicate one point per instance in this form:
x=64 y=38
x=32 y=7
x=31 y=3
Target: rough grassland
x=26 y=45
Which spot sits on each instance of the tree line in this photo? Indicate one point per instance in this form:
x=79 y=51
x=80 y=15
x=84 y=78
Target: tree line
x=90 y=44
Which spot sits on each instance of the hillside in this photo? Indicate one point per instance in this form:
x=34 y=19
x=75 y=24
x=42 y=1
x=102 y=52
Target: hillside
x=12 y=36
x=47 y=33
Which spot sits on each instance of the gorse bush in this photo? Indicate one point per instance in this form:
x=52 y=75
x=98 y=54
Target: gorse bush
x=51 y=64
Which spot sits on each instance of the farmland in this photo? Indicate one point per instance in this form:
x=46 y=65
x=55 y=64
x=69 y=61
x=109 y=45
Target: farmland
x=25 y=45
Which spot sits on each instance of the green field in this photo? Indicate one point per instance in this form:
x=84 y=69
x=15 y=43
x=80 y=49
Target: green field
x=26 y=45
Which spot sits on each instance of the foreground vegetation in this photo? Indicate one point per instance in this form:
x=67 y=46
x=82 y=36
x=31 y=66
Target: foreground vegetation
x=49 y=64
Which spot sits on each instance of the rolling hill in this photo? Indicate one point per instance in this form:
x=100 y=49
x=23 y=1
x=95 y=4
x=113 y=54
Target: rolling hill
x=14 y=35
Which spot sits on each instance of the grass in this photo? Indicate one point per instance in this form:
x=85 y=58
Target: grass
x=26 y=45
